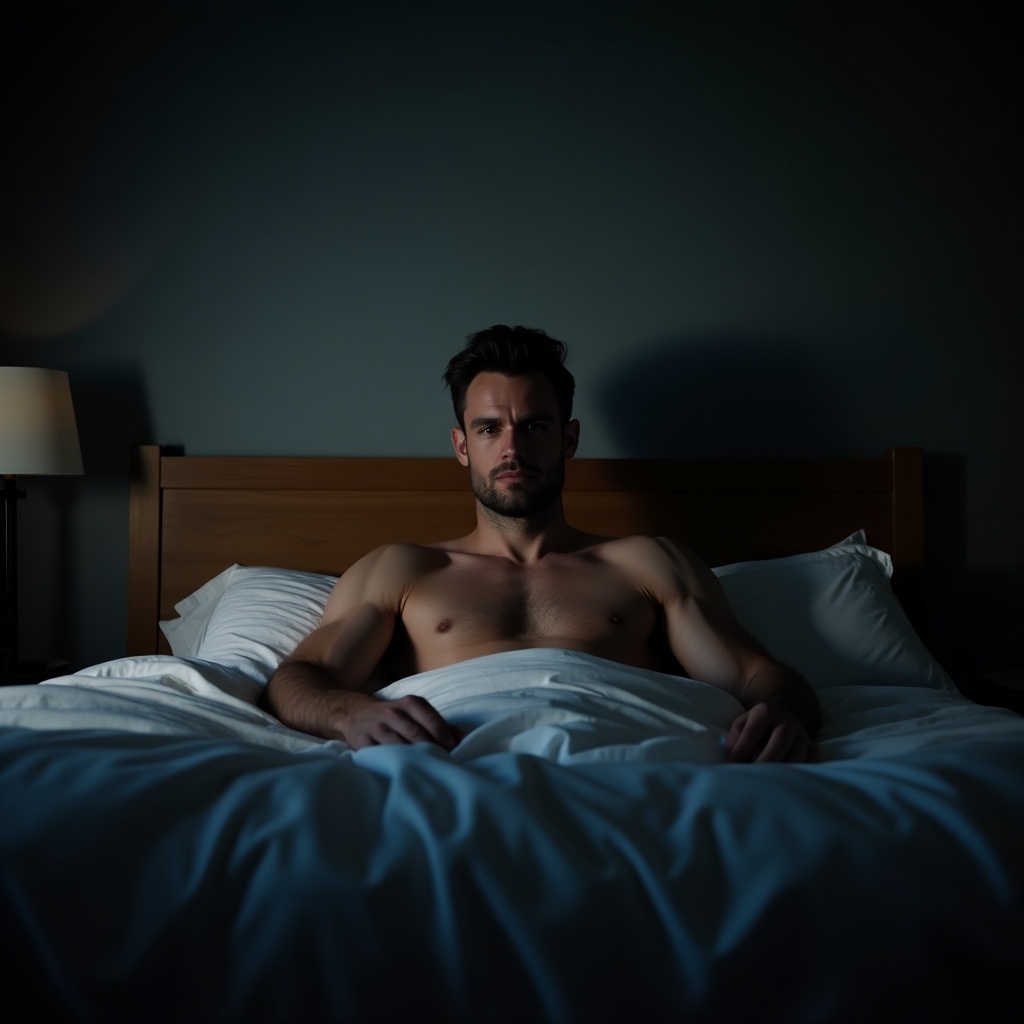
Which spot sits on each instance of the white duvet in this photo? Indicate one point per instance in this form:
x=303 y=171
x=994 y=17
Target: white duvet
x=557 y=704
x=170 y=852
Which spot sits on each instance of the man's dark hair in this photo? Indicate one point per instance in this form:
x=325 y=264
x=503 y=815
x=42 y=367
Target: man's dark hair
x=512 y=351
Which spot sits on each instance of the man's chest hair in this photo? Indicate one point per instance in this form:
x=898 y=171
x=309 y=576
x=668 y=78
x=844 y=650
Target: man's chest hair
x=573 y=597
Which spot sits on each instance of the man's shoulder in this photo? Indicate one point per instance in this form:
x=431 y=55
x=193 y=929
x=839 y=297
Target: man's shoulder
x=645 y=546
x=652 y=558
x=384 y=575
x=402 y=555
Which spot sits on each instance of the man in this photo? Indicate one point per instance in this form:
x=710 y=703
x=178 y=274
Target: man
x=525 y=578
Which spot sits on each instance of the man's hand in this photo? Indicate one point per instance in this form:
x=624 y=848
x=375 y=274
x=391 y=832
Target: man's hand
x=769 y=731
x=370 y=722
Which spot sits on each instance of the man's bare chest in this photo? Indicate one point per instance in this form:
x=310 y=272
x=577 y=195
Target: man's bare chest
x=580 y=602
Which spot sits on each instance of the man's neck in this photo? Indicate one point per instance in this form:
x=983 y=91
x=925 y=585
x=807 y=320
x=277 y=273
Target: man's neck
x=524 y=540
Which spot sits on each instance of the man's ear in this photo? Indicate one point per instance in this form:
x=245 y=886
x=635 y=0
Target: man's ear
x=459 y=444
x=572 y=438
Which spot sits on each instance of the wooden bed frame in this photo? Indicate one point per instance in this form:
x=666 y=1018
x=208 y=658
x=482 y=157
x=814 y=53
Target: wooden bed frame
x=193 y=516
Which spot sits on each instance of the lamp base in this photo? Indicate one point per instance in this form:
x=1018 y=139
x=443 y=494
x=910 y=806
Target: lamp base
x=27 y=672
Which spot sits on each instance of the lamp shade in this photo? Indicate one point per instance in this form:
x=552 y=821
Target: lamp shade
x=38 y=433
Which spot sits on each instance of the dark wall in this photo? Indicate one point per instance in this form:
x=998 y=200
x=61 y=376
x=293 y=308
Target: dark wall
x=262 y=228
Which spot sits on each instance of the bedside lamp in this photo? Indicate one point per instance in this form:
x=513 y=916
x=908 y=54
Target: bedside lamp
x=38 y=437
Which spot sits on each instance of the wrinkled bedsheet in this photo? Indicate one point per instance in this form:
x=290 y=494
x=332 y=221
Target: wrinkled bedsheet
x=170 y=852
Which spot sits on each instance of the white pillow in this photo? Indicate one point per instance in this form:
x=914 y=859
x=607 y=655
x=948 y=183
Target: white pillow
x=249 y=617
x=832 y=616
x=185 y=633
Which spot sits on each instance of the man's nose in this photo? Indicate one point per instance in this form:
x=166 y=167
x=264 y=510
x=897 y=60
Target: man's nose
x=514 y=441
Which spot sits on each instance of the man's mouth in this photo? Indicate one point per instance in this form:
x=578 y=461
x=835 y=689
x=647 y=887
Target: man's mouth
x=512 y=474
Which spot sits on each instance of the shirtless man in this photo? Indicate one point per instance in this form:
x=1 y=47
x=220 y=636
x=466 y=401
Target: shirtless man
x=525 y=578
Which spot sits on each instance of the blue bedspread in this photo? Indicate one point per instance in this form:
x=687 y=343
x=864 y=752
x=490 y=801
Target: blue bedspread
x=170 y=853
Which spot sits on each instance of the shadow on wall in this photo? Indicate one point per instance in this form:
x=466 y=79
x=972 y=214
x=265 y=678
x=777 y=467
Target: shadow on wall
x=112 y=414
x=728 y=397
x=720 y=397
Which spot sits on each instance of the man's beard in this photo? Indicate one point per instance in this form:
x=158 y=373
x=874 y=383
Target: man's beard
x=512 y=502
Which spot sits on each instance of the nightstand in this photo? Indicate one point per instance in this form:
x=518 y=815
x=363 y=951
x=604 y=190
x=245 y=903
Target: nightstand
x=1002 y=688
x=34 y=672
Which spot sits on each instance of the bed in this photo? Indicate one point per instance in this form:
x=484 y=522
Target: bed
x=170 y=852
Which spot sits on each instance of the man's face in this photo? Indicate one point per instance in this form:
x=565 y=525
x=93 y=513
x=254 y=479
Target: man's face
x=514 y=443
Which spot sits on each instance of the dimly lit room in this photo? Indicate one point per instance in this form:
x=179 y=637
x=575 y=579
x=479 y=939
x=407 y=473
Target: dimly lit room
x=781 y=242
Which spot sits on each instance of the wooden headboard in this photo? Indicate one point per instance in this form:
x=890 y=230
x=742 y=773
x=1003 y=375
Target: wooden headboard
x=193 y=516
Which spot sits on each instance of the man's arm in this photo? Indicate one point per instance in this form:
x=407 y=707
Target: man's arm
x=782 y=712
x=319 y=688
